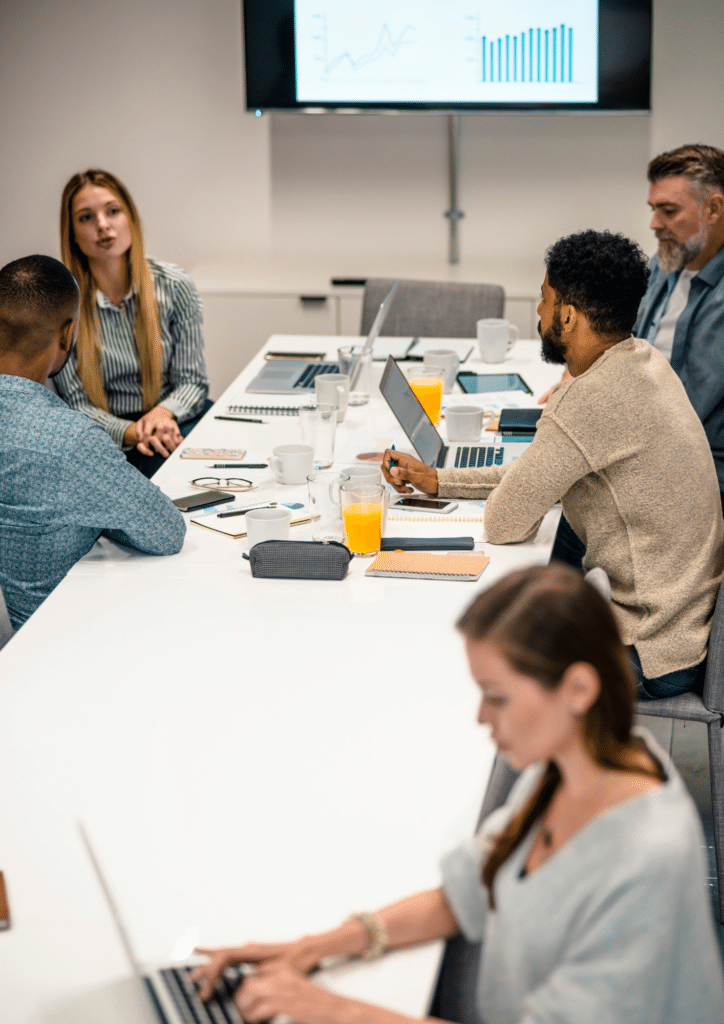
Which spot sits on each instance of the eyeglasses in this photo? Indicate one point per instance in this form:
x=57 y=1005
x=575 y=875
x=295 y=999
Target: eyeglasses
x=229 y=483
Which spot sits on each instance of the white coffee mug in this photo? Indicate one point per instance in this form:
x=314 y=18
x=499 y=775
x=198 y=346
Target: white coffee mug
x=333 y=388
x=495 y=338
x=292 y=463
x=266 y=524
x=463 y=422
x=448 y=360
x=364 y=473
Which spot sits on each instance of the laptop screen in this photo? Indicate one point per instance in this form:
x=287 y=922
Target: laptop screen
x=411 y=416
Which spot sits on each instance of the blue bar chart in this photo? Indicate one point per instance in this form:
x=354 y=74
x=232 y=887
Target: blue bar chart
x=454 y=51
x=535 y=55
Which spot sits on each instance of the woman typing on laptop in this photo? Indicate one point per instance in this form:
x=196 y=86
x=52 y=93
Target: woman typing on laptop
x=587 y=888
x=138 y=369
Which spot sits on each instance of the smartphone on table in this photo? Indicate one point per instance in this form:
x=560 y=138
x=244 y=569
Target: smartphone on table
x=418 y=503
x=202 y=499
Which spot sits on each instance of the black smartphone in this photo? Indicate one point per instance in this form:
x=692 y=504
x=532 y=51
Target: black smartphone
x=202 y=499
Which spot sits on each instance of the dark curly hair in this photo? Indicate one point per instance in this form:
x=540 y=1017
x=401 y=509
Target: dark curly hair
x=702 y=165
x=601 y=274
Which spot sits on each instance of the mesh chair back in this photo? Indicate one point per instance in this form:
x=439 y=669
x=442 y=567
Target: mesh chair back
x=713 y=695
x=431 y=309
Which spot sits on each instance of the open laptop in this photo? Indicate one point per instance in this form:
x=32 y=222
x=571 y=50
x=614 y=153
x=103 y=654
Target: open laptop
x=169 y=994
x=296 y=376
x=426 y=441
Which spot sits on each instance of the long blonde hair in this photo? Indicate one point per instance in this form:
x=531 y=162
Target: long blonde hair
x=148 y=330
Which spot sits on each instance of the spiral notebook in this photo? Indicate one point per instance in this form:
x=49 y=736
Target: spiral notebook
x=235 y=526
x=239 y=407
x=427 y=566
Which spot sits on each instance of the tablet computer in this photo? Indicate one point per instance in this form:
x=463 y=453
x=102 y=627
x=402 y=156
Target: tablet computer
x=479 y=383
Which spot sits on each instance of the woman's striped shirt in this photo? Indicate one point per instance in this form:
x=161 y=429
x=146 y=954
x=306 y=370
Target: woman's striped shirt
x=184 y=384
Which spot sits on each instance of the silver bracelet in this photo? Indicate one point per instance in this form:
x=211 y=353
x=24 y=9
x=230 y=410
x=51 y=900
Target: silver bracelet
x=377 y=939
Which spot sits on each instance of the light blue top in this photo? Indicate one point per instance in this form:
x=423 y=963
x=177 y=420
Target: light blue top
x=615 y=927
x=63 y=482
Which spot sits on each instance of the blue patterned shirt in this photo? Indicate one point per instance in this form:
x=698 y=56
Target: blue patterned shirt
x=62 y=483
x=184 y=384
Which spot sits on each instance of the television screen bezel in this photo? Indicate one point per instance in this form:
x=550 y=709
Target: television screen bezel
x=271 y=83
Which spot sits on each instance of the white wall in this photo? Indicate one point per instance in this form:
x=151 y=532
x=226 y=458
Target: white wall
x=152 y=90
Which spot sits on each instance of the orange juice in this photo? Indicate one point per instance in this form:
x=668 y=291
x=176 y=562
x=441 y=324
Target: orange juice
x=428 y=391
x=362 y=527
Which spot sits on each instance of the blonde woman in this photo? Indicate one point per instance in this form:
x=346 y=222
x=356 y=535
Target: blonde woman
x=138 y=368
x=587 y=889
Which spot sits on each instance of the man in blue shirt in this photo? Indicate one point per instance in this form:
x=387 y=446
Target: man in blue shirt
x=63 y=481
x=682 y=312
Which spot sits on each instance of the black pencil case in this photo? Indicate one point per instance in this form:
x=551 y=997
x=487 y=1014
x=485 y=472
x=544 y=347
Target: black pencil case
x=299 y=560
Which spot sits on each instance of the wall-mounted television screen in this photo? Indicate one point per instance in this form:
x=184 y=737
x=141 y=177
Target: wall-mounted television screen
x=353 y=56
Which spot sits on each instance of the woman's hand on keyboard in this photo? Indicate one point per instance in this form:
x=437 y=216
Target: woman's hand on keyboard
x=300 y=956
x=276 y=990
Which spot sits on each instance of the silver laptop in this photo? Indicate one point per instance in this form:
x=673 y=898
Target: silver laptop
x=426 y=441
x=169 y=994
x=297 y=376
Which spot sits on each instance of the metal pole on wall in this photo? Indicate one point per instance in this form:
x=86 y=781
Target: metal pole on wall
x=454 y=214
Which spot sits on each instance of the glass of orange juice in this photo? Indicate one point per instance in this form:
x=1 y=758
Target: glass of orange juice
x=363 y=507
x=427 y=384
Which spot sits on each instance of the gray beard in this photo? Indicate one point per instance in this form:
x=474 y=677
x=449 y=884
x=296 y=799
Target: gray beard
x=675 y=257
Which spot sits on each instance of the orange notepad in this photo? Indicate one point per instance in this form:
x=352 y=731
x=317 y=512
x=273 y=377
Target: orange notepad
x=424 y=566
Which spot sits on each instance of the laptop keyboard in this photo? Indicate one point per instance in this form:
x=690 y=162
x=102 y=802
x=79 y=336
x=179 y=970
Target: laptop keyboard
x=313 y=370
x=219 y=1010
x=477 y=458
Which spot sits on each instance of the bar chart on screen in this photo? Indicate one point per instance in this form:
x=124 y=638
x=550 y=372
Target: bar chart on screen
x=523 y=51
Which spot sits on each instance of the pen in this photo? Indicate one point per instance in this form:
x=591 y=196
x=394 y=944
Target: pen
x=242 y=511
x=239 y=419
x=391 y=463
x=239 y=465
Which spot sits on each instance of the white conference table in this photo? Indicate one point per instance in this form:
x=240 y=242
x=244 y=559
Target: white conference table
x=252 y=759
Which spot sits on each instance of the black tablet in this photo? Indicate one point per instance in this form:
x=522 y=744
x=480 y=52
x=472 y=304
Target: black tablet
x=479 y=383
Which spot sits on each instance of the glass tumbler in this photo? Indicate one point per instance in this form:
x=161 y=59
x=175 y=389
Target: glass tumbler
x=427 y=384
x=347 y=357
x=318 y=423
x=325 y=504
x=363 y=507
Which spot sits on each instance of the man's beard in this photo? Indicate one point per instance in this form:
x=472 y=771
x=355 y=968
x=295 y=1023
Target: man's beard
x=677 y=255
x=552 y=348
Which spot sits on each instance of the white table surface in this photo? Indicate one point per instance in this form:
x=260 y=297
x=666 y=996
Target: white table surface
x=252 y=758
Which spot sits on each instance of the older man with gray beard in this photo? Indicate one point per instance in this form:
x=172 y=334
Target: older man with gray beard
x=682 y=312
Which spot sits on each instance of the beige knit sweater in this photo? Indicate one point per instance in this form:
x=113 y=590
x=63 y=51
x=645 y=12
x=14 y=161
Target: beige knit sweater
x=624 y=452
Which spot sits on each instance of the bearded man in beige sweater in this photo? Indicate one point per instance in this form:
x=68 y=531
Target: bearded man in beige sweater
x=620 y=446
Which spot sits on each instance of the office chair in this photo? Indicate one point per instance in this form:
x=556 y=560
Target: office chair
x=6 y=629
x=690 y=707
x=709 y=708
x=431 y=309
